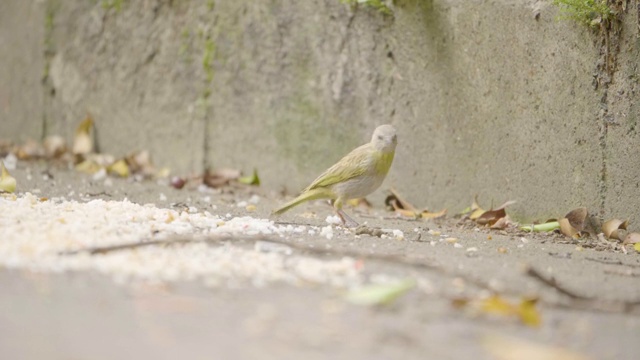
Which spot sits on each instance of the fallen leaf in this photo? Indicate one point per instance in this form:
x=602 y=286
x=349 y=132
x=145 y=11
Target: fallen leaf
x=509 y=348
x=611 y=227
x=497 y=305
x=398 y=203
x=250 y=180
x=220 y=177
x=7 y=182
x=631 y=238
x=54 y=146
x=546 y=227
x=362 y=202
x=88 y=167
x=502 y=223
x=426 y=214
x=476 y=210
x=567 y=229
x=380 y=294
x=139 y=162
x=577 y=218
x=406 y=209
x=490 y=217
x=119 y=168
x=637 y=246
x=31 y=149
x=82 y=142
x=529 y=314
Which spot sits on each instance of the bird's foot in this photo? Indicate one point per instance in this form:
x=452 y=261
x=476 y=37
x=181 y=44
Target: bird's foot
x=347 y=221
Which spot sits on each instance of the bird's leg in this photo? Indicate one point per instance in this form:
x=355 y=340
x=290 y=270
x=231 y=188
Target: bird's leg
x=346 y=220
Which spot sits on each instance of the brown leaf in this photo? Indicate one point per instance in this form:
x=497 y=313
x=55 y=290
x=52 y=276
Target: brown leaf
x=490 y=217
x=426 y=214
x=31 y=149
x=220 y=177
x=502 y=223
x=567 y=229
x=140 y=163
x=397 y=202
x=54 y=146
x=577 y=217
x=611 y=227
x=631 y=238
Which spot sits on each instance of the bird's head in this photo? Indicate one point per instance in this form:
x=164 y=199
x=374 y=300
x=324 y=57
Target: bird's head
x=384 y=138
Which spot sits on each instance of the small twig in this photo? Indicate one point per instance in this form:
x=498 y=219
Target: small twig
x=178 y=240
x=612 y=262
x=622 y=272
x=551 y=282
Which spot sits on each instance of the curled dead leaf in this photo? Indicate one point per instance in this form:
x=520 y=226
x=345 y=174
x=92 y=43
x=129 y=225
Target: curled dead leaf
x=577 y=218
x=54 y=146
x=611 y=227
x=426 y=214
x=220 y=177
x=119 y=168
x=567 y=229
x=83 y=142
x=490 y=217
x=397 y=202
x=631 y=238
x=7 y=182
x=502 y=223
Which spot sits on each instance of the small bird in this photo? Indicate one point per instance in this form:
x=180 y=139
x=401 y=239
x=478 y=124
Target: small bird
x=356 y=175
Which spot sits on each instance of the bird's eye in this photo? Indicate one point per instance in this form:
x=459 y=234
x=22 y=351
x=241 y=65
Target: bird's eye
x=379 y=137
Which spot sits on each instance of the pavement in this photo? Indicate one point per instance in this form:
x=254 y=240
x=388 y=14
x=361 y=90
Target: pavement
x=587 y=305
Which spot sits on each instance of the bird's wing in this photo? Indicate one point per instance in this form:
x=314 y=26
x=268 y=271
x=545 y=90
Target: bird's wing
x=352 y=165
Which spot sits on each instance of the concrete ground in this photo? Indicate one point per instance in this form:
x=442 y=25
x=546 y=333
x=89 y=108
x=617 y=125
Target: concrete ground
x=87 y=315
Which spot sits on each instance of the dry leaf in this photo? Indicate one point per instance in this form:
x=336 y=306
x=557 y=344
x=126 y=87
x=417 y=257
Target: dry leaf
x=509 y=348
x=120 y=168
x=426 y=214
x=528 y=312
x=637 y=246
x=631 y=238
x=220 y=177
x=140 y=163
x=476 y=210
x=502 y=223
x=82 y=142
x=54 y=146
x=490 y=217
x=88 y=167
x=398 y=203
x=577 y=217
x=497 y=305
x=7 y=182
x=611 y=227
x=362 y=202
x=31 y=149
x=567 y=229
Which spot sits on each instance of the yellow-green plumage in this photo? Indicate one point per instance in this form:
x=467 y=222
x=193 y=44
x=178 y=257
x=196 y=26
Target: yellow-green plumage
x=356 y=175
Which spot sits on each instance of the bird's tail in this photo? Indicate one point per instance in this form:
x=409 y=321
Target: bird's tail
x=314 y=194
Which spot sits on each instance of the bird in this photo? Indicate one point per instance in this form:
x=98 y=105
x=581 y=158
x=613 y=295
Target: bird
x=356 y=175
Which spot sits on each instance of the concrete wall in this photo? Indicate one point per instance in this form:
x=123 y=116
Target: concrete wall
x=488 y=98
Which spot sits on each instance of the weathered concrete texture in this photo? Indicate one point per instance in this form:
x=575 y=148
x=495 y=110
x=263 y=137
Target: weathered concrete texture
x=488 y=98
x=22 y=25
x=128 y=67
x=620 y=151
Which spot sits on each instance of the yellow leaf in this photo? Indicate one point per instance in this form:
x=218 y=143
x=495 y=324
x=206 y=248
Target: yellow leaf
x=7 y=182
x=426 y=214
x=251 y=180
x=120 y=168
x=529 y=315
x=82 y=142
x=88 y=167
x=497 y=305
x=637 y=247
